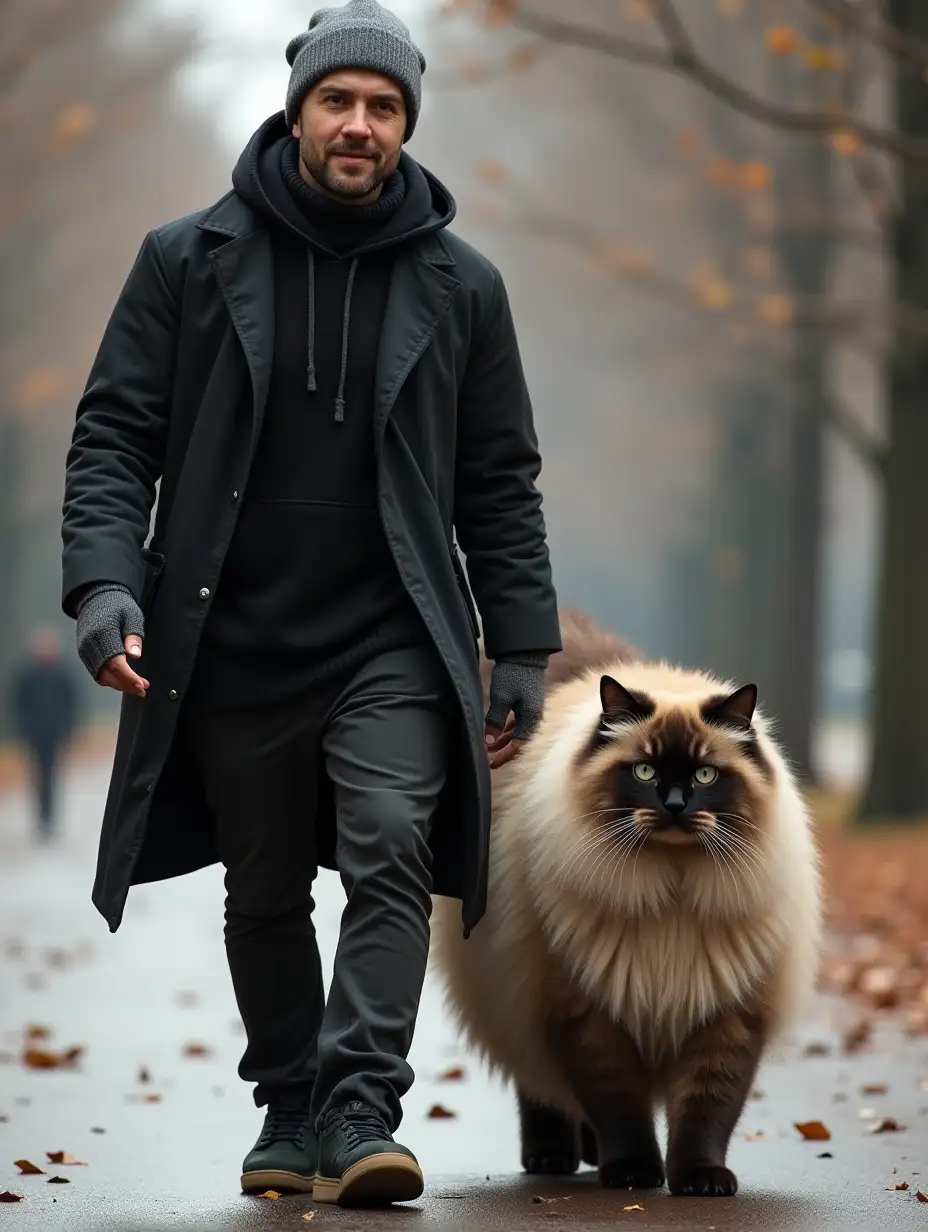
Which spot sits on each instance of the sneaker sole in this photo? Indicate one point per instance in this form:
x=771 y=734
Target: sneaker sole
x=377 y=1180
x=257 y=1182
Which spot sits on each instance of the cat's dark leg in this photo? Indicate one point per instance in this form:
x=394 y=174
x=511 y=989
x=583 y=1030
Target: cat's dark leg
x=709 y=1084
x=589 y=1147
x=612 y=1084
x=550 y=1139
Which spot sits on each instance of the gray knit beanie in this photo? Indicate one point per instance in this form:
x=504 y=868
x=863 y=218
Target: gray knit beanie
x=360 y=34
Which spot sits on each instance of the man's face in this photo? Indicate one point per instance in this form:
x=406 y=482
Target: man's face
x=350 y=128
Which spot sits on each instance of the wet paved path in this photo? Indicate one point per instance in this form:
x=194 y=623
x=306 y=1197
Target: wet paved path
x=139 y=998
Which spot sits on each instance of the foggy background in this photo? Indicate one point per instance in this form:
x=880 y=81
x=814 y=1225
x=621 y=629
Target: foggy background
x=700 y=294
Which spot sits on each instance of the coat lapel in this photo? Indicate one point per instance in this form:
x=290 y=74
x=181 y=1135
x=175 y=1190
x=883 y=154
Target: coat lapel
x=244 y=270
x=421 y=292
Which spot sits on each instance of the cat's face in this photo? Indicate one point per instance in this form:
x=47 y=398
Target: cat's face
x=677 y=774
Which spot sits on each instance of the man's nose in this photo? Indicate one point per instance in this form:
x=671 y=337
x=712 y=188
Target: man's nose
x=357 y=123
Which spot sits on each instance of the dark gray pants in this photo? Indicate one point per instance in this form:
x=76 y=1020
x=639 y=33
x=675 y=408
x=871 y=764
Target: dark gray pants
x=382 y=738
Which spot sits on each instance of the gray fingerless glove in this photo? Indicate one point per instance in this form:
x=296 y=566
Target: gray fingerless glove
x=518 y=684
x=106 y=615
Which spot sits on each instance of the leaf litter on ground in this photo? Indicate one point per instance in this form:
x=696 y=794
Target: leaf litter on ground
x=813 y=1131
x=28 y=1169
x=62 y=1157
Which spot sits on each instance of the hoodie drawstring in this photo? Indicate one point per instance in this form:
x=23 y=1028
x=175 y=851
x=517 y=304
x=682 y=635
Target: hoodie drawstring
x=311 y=333
x=340 y=397
x=311 y=308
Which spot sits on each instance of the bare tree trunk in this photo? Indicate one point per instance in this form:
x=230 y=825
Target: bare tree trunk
x=11 y=558
x=898 y=784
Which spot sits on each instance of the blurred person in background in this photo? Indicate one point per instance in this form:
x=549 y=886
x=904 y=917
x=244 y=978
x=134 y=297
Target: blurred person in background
x=45 y=712
x=327 y=383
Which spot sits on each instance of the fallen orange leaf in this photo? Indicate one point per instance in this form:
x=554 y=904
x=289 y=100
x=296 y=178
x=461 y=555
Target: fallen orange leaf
x=6 y=1196
x=813 y=1131
x=918 y=1194
x=874 y=1088
x=888 y=1125
x=62 y=1157
x=816 y=1050
x=196 y=1050
x=902 y=1185
x=439 y=1112
x=309 y=1215
x=454 y=1074
x=28 y=1169
x=272 y=1194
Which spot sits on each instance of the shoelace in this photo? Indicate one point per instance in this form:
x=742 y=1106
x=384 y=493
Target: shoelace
x=285 y=1125
x=359 y=1124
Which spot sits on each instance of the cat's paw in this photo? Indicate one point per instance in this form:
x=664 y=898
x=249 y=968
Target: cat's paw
x=631 y=1173
x=703 y=1181
x=550 y=1163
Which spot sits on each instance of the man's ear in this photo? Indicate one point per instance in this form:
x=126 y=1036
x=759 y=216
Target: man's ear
x=295 y=129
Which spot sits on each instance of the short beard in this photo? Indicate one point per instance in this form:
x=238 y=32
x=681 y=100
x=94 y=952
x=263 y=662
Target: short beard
x=340 y=187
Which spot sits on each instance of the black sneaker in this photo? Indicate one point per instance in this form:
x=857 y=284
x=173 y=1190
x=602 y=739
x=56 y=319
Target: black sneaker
x=284 y=1157
x=360 y=1164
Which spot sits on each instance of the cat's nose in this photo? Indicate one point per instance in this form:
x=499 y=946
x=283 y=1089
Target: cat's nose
x=675 y=802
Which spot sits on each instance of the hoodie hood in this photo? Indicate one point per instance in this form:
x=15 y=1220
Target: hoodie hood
x=413 y=203
x=260 y=178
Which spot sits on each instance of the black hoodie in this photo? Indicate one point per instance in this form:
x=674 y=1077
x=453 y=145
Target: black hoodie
x=309 y=587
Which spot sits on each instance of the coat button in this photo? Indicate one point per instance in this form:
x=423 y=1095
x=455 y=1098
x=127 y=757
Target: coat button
x=204 y=592
x=172 y=696
x=235 y=495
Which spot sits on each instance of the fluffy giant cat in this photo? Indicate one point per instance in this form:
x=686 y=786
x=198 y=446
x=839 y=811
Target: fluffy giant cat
x=652 y=923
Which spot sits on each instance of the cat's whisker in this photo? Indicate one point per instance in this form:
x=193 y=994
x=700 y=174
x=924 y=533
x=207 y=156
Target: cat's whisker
x=736 y=860
x=724 y=865
x=626 y=843
x=592 y=843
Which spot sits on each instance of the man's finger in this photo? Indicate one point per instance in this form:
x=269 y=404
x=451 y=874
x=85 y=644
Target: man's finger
x=512 y=749
x=497 y=737
x=133 y=645
x=117 y=674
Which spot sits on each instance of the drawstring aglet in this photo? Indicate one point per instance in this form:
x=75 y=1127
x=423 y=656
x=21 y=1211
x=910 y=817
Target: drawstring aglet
x=339 y=410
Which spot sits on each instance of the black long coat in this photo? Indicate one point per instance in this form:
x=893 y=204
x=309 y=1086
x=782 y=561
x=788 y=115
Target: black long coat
x=177 y=393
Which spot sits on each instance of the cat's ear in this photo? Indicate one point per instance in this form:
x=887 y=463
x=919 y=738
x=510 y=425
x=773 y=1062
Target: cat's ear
x=618 y=701
x=735 y=710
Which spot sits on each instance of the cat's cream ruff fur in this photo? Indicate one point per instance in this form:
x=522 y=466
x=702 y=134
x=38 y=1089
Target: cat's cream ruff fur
x=662 y=942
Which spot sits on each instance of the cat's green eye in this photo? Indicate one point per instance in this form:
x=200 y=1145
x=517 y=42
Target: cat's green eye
x=706 y=775
x=644 y=772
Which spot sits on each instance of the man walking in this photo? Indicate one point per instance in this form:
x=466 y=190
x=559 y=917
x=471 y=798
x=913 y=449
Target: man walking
x=327 y=383
x=45 y=712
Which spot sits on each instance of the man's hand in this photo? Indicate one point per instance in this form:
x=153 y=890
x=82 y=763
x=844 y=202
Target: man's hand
x=517 y=691
x=110 y=626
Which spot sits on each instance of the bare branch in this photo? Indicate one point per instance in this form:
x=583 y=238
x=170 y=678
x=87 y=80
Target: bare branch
x=855 y=20
x=868 y=448
x=680 y=59
x=813 y=313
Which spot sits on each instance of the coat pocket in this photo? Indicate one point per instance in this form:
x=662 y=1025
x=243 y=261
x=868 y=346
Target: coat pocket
x=464 y=588
x=154 y=564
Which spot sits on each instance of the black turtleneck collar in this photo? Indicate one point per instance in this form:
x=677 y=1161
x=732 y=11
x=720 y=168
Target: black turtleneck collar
x=344 y=226
x=413 y=202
